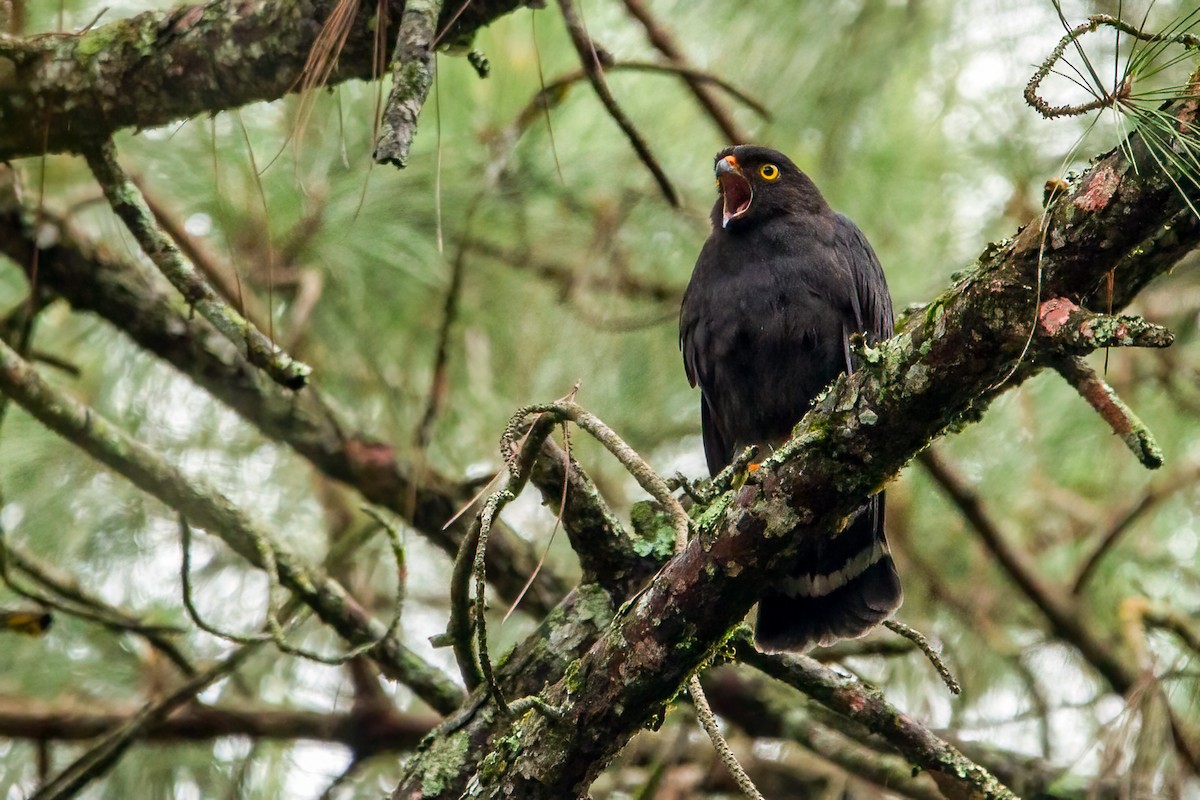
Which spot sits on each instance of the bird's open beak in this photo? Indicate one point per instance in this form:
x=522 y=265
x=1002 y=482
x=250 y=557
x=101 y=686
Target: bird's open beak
x=736 y=191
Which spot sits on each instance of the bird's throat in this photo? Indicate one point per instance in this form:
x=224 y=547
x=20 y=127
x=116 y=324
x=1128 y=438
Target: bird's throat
x=736 y=194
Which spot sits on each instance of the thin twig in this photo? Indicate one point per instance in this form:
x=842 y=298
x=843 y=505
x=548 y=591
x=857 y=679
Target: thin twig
x=458 y=629
x=72 y=599
x=567 y=278
x=103 y=756
x=708 y=721
x=274 y=632
x=131 y=207
x=654 y=484
x=554 y=91
x=519 y=458
x=413 y=67
x=439 y=383
x=919 y=639
x=1185 y=479
x=490 y=510
x=222 y=276
x=1111 y=97
x=665 y=43
x=590 y=60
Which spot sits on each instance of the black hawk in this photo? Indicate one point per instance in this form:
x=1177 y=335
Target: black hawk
x=780 y=286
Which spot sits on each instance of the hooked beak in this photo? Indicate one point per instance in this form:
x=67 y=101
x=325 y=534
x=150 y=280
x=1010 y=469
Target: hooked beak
x=736 y=191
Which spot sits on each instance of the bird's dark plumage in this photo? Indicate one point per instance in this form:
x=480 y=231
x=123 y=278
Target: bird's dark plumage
x=780 y=286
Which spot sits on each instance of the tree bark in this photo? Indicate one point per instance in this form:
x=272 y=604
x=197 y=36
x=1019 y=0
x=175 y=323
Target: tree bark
x=65 y=92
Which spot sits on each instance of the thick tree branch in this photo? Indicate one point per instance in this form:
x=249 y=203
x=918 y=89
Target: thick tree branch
x=75 y=90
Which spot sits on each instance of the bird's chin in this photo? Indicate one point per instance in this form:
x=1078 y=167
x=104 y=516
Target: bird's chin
x=736 y=194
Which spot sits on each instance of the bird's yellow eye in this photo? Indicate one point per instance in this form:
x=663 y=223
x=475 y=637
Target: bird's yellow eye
x=769 y=172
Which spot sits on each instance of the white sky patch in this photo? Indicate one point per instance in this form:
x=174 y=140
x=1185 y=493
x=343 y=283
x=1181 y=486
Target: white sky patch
x=198 y=224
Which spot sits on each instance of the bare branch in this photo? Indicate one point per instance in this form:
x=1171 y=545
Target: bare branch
x=365 y=730
x=104 y=755
x=665 y=43
x=1064 y=616
x=590 y=58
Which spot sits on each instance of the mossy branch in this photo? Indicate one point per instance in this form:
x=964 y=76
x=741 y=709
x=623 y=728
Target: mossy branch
x=414 y=63
x=867 y=706
x=940 y=372
x=127 y=201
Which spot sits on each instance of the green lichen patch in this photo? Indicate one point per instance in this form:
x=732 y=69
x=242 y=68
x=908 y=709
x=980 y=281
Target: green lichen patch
x=654 y=533
x=443 y=760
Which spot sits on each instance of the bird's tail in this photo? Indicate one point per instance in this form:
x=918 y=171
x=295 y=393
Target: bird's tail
x=849 y=586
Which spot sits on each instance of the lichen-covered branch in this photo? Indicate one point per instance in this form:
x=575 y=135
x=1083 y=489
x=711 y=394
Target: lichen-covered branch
x=208 y=509
x=127 y=202
x=66 y=92
x=412 y=75
x=1077 y=331
x=868 y=707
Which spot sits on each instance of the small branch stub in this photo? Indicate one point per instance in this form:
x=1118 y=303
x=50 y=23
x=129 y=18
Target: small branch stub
x=1120 y=417
x=413 y=69
x=1072 y=330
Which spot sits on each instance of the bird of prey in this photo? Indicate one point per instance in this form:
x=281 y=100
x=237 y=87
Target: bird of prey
x=778 y=289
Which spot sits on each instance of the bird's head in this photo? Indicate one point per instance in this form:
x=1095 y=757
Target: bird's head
x=756 y=183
